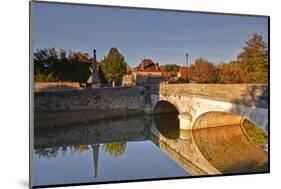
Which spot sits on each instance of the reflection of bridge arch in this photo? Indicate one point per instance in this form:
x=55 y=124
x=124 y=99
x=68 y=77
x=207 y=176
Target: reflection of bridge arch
x=224 y=149
x=229 y=150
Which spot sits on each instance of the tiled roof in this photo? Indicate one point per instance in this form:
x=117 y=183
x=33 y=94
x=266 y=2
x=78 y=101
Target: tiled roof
x=113 y=51
x=147 y=65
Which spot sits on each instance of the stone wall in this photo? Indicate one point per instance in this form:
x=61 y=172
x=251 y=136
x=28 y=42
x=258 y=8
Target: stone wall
x=248 y=94
x=56 y=86
x=105 y=99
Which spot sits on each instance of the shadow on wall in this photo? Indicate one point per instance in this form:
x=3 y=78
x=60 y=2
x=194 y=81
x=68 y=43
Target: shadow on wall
x=256 y=98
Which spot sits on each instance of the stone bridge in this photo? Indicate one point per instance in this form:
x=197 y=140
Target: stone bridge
x=225 y=102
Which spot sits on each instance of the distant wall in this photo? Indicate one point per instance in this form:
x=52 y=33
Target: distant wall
x=104 y=98
x=56 y=86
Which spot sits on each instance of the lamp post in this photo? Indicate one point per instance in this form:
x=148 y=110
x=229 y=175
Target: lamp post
x=186 y=66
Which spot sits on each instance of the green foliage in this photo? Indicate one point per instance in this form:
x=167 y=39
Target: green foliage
x=254 y=59
x=44 y=77
x=171 y=68
x=102 y=78
x=114 y=67
x=255 y=134
x=115 y=149
x=203 y=71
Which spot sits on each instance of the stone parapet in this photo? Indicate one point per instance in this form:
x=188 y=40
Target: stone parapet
x=248 y=94
x=105 y=98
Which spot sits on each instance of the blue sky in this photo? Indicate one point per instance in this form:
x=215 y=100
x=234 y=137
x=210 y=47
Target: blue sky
x=162 y=36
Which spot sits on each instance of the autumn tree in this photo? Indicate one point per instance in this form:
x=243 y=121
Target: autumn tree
x=203 y=71
x=232 y=72
x=254 y=59
x=114 y=66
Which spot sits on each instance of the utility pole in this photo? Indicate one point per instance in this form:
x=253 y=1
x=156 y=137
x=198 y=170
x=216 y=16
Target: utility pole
x=186 y=66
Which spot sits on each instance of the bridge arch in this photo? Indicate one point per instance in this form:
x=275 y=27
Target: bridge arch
x=229 y=116
x=216 y=119
x=166 y=119
x=164 y=106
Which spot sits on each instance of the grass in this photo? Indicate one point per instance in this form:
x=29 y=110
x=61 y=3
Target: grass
x=255 y=134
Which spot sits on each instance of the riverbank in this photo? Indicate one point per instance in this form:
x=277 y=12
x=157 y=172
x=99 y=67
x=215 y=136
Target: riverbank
x=69 y=118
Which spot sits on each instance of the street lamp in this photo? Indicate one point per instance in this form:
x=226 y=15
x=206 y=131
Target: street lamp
x=186 y=66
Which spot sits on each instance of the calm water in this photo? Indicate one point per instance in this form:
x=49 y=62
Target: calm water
x=141 y=148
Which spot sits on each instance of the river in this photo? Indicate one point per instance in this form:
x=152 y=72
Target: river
x=143 y=147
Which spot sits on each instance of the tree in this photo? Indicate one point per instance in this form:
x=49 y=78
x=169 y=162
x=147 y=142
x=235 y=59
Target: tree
x=114 y=149
x=254 y=58
x=102 y=78
x=43 y=59
x=203 y=71
x=114 y=66
x=171 y=68
x=44 y=77
x=232 y=72
x=50 y=66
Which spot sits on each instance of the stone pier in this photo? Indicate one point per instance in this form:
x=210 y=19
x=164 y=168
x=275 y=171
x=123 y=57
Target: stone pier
x=185 y=121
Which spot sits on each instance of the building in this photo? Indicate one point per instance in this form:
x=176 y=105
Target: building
x=127 y=80
x=166 y=75
x=138 y=76
x=182 y=73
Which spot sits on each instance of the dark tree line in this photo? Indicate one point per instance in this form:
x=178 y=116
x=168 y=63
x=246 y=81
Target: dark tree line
x=50 y=65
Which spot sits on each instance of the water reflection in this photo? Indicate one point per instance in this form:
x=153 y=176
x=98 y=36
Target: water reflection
x=107 y=151
x=115 y=148
x=217 y=150
x=230 y=151
x=141 y=147
x=167 y=124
